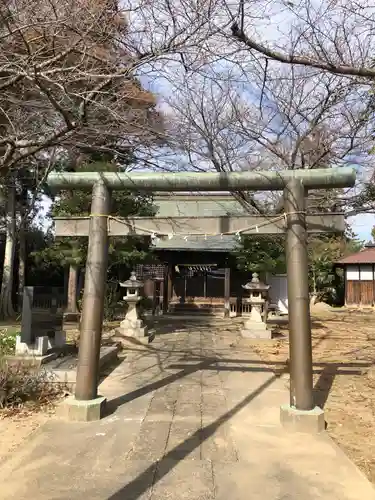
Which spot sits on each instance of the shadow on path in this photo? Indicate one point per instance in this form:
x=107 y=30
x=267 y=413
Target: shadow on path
x=161 y=468
x=115 y=403
x=324 y=384
x=327 y=374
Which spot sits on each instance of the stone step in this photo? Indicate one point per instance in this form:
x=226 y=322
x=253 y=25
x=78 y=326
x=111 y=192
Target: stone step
x=196 y=312
x=195 y=307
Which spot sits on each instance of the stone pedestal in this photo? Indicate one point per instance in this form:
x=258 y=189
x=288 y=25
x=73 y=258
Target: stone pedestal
x=38 y=348
x=255 y=327
x=82 y=411
x=41 y=345
x=133 y=328
x=311 y=422
x=253 y=330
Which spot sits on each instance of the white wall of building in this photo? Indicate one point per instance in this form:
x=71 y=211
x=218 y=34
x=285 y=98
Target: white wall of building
x=363 y=272
x=278 y=292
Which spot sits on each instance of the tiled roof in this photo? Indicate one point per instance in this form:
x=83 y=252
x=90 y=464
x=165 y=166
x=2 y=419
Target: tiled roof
x=365 y=256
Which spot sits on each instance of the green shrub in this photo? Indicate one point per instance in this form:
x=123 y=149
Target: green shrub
x=20 y=384
x=112 y=302
x=8 y=341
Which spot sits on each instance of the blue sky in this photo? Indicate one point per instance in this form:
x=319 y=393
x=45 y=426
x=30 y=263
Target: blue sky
x=362 y=225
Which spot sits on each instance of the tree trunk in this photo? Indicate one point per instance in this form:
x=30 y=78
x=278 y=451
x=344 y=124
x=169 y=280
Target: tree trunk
x=72 y=289
x=21 y=266
x=22 y=248
x=314 y=293
x=314 y=281
x=81 y=281
x=6 y=305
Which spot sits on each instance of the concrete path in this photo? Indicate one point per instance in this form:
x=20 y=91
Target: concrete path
x=194 y=415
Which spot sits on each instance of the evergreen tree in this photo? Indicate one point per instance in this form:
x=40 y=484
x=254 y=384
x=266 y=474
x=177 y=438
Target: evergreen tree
x=266 y=253
x=124 y=252
x=324 y=252
x=261 y=254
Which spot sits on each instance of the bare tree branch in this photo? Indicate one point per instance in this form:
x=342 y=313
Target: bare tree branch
x=76 y=77
x=328 y=33
x=236 y=119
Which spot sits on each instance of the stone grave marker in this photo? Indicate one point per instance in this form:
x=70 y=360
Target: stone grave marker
x=41 y=328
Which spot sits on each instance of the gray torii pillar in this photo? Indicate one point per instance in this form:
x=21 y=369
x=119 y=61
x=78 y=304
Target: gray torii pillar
x=87 y=404
x=300 y=414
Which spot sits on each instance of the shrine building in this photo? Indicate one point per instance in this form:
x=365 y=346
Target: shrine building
x=198 y=274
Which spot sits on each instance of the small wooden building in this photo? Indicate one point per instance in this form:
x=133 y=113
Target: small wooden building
x=359 y=275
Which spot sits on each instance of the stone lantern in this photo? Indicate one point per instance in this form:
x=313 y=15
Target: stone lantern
x=132 y=325
x=255 y=326
x=132 y=287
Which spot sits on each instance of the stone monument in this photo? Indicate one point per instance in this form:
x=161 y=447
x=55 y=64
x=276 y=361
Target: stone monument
x=41 y=329
x=132 y=325
x=255 y=326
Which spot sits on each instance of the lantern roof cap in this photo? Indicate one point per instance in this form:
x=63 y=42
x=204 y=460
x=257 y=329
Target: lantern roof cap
x=256 y=285
x=132 y=282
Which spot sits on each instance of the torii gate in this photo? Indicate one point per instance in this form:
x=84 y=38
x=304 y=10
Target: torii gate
x=99 y=225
